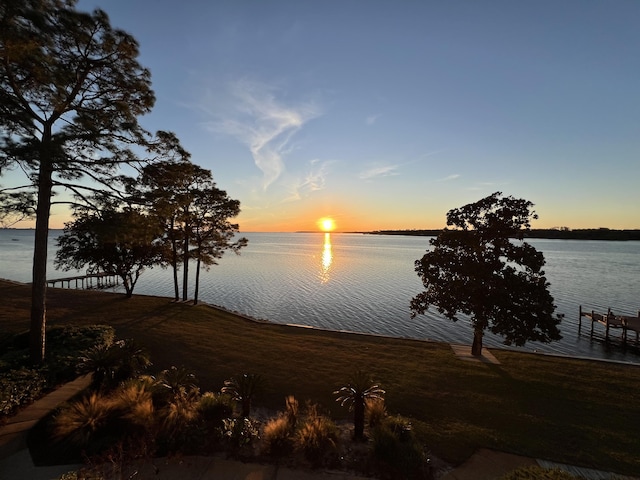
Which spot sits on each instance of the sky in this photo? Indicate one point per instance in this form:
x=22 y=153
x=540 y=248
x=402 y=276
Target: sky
x=387 y=114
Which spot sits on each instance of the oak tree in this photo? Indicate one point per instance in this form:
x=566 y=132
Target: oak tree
x=116 y=242
x=482 y=267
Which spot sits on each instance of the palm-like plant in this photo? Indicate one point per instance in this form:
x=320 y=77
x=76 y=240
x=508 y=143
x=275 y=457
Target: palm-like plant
x=354 y=394
x=243 y=389
x=112 y=363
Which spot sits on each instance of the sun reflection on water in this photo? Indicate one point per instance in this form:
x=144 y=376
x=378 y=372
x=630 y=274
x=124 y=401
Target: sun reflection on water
x=327 y=258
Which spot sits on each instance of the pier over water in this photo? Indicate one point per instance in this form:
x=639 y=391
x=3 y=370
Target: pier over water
x=88 y=281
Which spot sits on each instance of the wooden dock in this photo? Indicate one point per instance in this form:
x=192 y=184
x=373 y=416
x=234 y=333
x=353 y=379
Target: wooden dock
x=88 y=281
x=609 y=320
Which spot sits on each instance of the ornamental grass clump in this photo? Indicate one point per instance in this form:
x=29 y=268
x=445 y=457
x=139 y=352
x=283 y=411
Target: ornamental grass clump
x=88 y=424
x=277 y=437
x=135 y=403
x=376 y=411
x=213 y=407
x=317 y=438
x=279 y=432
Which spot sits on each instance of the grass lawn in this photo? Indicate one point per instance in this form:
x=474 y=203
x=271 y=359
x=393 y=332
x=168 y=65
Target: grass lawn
x=572 y=411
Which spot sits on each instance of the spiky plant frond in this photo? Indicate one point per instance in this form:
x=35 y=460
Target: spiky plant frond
x=83 y=419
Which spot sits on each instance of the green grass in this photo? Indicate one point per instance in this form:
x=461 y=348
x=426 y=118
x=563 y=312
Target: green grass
x=571 y=411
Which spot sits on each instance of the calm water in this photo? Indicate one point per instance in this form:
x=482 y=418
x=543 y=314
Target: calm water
x=364 y=283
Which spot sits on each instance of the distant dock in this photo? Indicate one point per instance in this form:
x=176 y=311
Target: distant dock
x=609 y=320
x=85 y=282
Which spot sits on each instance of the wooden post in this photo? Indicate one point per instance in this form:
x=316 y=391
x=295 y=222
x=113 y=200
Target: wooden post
x=593 y=316
x=580 y=319
x=606 y=336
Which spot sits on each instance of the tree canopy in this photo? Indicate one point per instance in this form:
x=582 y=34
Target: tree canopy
x=71 y=89
x=116 y=242
x=195 y=213
x=475 y=269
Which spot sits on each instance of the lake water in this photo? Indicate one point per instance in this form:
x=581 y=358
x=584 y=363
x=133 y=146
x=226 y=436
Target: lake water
x=364 y=283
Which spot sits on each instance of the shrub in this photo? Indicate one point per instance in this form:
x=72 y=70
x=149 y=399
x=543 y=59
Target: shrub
x=240 y=432
x=110 y=364
x=277 y=436
x=376 y=411
x=19 y=387
x=134 y=403
x=173 y=384
x=65 y=344
x=535 y=472
x=317 y=438
x=291 y=412
x=88 y=423
x=214 y=407
x=397 y=451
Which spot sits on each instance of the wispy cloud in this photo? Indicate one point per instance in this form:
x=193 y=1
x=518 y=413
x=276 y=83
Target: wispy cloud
x=379 y=171
x=371 y=119
x=265 y=124
x=489 y=185
x=449 y=178
x=313 y=180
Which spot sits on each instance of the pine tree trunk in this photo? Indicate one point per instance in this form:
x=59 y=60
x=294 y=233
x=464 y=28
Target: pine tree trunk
x=174 y=261
x=195 y=294
x=185 y=268
x=39 y=272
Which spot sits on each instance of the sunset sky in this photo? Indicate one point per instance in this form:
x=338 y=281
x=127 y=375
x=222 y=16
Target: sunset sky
x=387 y=114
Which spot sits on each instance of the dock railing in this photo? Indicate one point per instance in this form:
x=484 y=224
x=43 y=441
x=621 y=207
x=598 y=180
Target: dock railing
x=88 y=281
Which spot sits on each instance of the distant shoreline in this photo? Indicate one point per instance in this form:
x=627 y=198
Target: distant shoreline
x=542 y=233
x=551 y=233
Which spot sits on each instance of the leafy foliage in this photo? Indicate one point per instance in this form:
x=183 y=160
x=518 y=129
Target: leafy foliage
x=476 y=269
x=397 y=450
x=241 y=432
x=110 y=364
x=121 y=243
x=20 y=385
x=536 y=472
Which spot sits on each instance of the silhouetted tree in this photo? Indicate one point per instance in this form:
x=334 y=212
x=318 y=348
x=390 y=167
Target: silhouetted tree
x=15 y=206
x=195 y=215
x=121 y=243
x=71 y=90
x=212 y=232
x=477 y=270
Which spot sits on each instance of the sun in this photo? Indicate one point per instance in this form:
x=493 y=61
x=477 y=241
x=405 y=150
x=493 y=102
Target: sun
x=326 y=224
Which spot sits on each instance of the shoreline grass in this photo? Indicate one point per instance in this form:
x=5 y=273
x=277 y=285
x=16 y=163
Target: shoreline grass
x=573 y=411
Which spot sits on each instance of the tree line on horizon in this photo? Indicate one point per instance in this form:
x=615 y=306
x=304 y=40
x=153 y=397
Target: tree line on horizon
x=563 y=233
